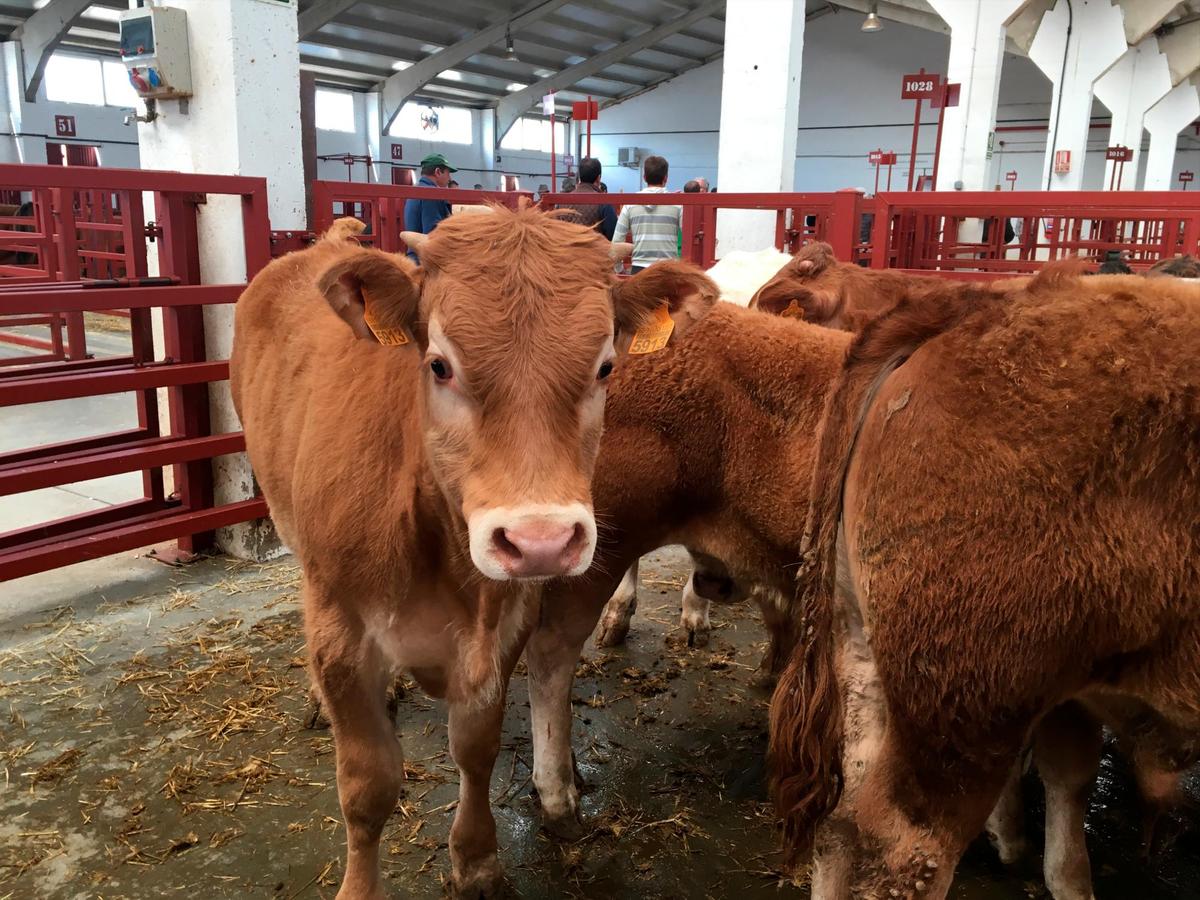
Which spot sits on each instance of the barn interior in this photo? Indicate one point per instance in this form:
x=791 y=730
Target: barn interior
x=156 y=731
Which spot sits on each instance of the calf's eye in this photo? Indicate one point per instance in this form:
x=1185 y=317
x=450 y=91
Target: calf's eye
x=606 y=369
x=440 y=369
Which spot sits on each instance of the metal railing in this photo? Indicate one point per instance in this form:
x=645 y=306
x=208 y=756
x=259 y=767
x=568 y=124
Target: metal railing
x=185 y=442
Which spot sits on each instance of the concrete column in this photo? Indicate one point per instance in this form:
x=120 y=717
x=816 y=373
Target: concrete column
x=243 y=119
x=976 y=55
x=1169 y=116
x=1077 y=42
x=373 y=123
x=1139 y=80
x=760 y=110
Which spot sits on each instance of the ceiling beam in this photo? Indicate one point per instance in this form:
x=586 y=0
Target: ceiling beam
x=510 y=108
x=641 y=18
x=1181 y=46
x=429 y=37
x=617 y=36
x=402 y=85
x=340 y=43
x=40 y=34
x=320 y=13
x=898 y=12
x=1024 y=27
x=1143 y=16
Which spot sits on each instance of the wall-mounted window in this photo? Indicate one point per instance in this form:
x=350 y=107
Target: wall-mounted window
x=445 y=124
x=531 y=133
x=88 y=79
x=335 y=111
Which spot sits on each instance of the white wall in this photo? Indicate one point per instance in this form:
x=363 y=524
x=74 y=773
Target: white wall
x=26 y=127
x=849 y=104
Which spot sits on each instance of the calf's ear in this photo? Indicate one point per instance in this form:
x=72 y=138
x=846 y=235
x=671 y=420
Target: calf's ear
x=375 y=293
x=671 y=288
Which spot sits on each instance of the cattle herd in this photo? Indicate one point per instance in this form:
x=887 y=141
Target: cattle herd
x=970 y=514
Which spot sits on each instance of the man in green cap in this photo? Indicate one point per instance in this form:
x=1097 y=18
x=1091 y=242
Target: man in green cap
x=424 y=215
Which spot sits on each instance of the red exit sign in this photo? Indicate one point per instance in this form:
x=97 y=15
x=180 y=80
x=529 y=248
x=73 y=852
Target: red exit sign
x=64 y=126
x=921 y=86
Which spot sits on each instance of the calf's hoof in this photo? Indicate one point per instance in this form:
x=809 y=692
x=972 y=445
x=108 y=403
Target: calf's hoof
x=568 y=827
x=478 y=881
x=612 y=634
x=314 y=715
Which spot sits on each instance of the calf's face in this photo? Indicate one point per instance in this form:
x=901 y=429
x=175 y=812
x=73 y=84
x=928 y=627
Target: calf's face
x=512 y=316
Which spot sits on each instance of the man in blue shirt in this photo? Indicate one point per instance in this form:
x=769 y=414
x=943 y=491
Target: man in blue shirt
x=423 y=215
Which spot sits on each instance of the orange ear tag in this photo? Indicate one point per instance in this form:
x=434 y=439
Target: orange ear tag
x=793 y=311
x=389 y=337
x=654 y=335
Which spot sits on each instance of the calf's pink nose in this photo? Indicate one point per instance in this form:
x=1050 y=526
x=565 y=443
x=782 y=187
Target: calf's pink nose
x=539 y=547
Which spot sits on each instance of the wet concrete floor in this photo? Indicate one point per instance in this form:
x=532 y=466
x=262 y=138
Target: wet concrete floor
x=152 y=745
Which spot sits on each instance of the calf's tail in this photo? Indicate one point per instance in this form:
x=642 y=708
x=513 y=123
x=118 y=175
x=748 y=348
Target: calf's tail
x=805 y=750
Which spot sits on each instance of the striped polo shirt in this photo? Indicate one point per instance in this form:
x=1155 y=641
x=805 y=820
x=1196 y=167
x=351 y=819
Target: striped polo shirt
x=655 y=229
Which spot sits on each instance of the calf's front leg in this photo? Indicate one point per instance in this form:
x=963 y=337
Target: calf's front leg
x=350 y=676
x=618 y=614
x=474 y=744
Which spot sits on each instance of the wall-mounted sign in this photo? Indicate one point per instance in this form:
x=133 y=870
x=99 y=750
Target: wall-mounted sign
x=64 y=126
x=921 y=86
x=1062 y=161
x=397 y=151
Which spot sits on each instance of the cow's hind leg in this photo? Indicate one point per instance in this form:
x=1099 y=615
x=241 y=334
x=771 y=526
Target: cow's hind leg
x=1006 y=825
x=1066 y=748
x=351 y=678
x=694 y=617
x=614 y=624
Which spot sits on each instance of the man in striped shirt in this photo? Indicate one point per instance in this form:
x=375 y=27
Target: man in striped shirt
x=655 y=230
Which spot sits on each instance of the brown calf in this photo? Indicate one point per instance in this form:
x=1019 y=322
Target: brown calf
x=709 y=445
x=426 y=438
x=1003 y=520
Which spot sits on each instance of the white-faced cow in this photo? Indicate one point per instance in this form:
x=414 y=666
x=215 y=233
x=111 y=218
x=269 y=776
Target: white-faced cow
x=425 y=438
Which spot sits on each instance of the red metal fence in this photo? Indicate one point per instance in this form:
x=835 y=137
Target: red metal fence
x=82 y=247
x=961 y=235
x=66 y=249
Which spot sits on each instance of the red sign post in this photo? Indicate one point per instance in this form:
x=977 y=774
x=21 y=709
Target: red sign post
x=1119 y=155
x=920 y=87
x=879 y=158
x=1185 y=178
x=946 y=97
x=586 y=111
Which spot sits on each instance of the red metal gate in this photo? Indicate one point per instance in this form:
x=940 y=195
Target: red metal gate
x=67 y=250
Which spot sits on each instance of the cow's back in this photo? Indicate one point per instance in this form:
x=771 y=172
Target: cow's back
x=1039 y=463
x=319 y=407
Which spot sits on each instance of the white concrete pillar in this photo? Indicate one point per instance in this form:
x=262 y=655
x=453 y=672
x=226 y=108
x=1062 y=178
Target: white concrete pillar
x=1139 y=80
x=760 y=111
x=976 y=56
x=243 y=119
x=1076 y=43
x=373 y=124
x=1169 y=116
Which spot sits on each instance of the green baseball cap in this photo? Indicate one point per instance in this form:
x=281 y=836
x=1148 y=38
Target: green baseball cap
x=436 y=159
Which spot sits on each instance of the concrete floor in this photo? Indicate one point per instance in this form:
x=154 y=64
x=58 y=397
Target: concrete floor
x=152 y=744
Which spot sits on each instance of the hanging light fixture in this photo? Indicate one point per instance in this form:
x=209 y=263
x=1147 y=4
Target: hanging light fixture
x=510 y=52
x=872 y=22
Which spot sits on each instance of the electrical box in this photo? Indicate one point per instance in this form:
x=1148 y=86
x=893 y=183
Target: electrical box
x=154 y=48
x=630 y=157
